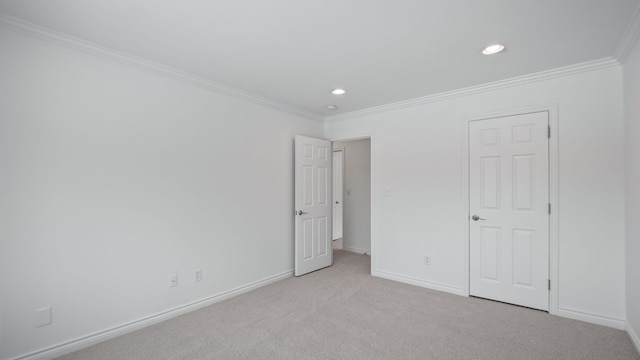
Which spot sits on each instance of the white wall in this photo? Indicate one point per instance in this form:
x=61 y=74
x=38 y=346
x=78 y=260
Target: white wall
x=632 y=141
x=418 y=155
x=357 y=195
x=113 y=178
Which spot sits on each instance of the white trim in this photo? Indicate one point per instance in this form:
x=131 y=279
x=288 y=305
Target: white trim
x=496 y=85
x=591 y=318
x=464 y=216
x=373 y=244
x=100 y=336
x=633 y=335
x=29 y=29
x=372 y=138
x=554 y=199
x=554 y=182
x=629 y=37
x=356 y=250
x=419 y=282
x=20 y=26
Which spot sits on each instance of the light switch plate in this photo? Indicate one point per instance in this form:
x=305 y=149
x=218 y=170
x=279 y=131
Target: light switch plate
x=43 y=317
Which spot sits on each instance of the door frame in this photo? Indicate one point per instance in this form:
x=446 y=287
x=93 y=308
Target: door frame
x=552 y=110
x=371 y=136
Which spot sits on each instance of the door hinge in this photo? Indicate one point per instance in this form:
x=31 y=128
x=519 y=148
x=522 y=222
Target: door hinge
x=549 y=132
x=549 y=284
x=549 y=208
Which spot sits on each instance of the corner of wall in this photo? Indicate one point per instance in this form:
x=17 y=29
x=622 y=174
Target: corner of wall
x=629 y=37
x=631 y=77
x=633 y=335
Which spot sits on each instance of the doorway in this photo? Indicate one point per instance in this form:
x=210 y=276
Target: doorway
x=352 y=191
x=338 y=194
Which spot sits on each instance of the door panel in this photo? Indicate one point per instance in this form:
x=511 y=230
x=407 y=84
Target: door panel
x=313 y=188
x=323 y=186
x=490 y=182
x=523 y=241
x=490 y=256
x=509 y=194
x=323 y=233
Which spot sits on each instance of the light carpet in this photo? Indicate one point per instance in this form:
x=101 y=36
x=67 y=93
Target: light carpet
x=343 y=313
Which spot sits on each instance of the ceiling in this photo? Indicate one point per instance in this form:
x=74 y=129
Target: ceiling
x=294 y=52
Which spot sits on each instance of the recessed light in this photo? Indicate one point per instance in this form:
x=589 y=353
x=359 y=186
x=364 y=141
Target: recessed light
x=332 y=107
x=338 y=91
x=493 y=49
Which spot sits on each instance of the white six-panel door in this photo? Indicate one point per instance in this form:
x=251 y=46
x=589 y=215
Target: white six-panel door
x=338 y=161
x=313 y=204
x=509 y=209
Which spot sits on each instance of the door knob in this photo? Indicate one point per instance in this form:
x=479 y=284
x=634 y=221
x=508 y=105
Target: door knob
x=476 y=218
x=337 y=202
x=300 y=212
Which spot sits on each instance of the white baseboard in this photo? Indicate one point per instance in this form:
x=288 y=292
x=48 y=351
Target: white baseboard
x=562 y=312
x=633 y=335
x=591 y=318
x=419 y=282
x=356 y=250
x=92 y=339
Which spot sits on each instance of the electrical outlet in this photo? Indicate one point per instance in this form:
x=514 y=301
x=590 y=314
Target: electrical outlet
x=173 y=280
x=427 y=260
x=197 y=275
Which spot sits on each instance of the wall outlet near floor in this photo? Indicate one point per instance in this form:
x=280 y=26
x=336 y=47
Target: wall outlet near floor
x=427 y=260
x=43 y=317
x=197 y=275
x=173 y=280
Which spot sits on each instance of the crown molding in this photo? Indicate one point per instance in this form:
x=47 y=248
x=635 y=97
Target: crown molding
x=27 y=28
x=629 y=37
x=496 y=85
x=624 y=46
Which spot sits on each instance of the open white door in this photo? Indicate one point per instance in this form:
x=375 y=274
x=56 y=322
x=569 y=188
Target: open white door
x=338 y=161
x=509 y=209
x=313 y=204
